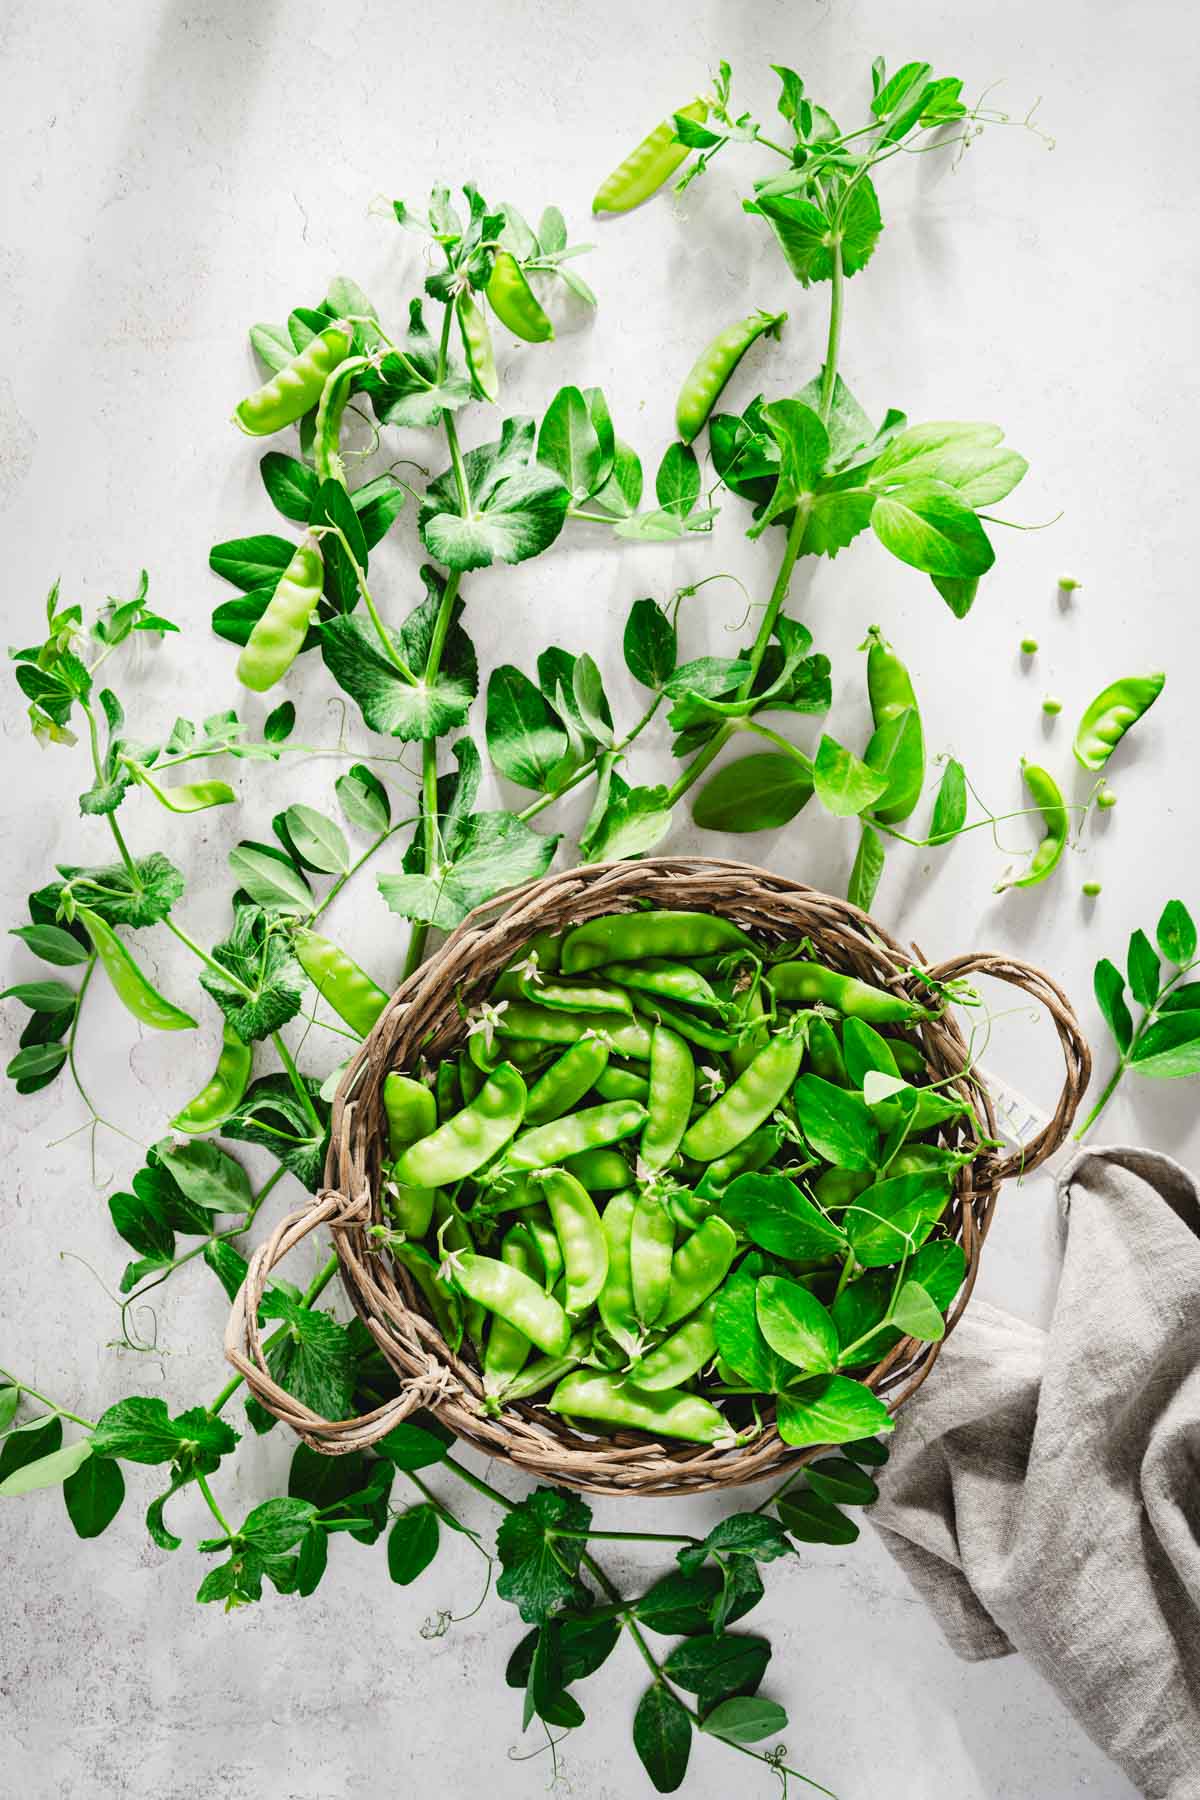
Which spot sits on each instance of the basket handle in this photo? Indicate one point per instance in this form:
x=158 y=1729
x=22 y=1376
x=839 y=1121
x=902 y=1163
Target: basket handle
x=244 y=1346
x=1077 y=1055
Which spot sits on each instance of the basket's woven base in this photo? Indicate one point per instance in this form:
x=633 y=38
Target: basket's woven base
x=423 y=1021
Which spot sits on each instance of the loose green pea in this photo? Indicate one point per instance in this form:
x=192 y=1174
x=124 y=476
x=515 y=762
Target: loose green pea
x=1068 y=584
x=1091 y=889
x=1029 y=646
x=1106 y=799
x=1052 y=705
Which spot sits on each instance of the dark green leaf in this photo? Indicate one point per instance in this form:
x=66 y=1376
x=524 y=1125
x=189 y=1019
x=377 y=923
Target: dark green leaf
x=840 y=1481
x=757 y=793
x=830 y=1409
x=740 y=1339
x=950 y=807
x=227 y=1264
x=517 y=508
x=1176 y=933
x=539 y=1570
x=291 y=485
x=1144 y=971
x=270 y=1114
x=682 y=1605
x=140 y=1430
x=325 y=1480
x=39 y=1063
x=634 y=821
x=738 y=1534
x=497 y=851
x=313 y=1360
x=839 y=1125
x=207 y=1175
x=413 y=1446
x=662 y=1737
x=1170 y=1048
x=868 y=868
x=524 y=738
x=53 y=944
x=93 y=1496
x=569 y=445
x=412 y=1543
x=252 y=562
x=746 y=1720
x=1109 y=985
x=796 y=1325
x=814 y=1519
x=773 y=1213
x=112 y=892
x=29 y=1444
x=649 y=644
x=716 y=1668
x=389 y=701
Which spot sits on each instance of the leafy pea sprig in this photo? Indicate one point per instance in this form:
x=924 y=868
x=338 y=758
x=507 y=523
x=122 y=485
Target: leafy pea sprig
x=1164 y=1045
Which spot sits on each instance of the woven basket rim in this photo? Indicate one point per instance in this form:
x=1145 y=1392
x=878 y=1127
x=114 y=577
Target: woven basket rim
x=424 y=1016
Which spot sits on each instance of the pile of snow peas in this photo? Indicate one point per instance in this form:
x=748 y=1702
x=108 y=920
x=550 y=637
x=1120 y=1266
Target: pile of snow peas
x=677 y=1177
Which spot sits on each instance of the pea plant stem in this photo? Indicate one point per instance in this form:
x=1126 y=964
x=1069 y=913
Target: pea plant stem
x=366 y=856
x=293 y=1074
x=591 y=765
x=44 y=1400
x=210 y=962
x=210 y=1502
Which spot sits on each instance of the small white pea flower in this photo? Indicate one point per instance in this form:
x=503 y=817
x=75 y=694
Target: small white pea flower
x=530 y=969
x=450 y=1267
x=713 y=1082
x=485 y=1021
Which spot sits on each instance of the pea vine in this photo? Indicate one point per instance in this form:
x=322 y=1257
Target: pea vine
x=811 y=464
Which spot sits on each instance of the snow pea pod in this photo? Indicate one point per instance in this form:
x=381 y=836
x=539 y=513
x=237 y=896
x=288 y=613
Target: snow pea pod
x=502 y=1289
x=278 y=636
x=297 y=387
x=477 y=346
x=605 y=1399
x=545 y=1025
x=672 y=1085
x=746 y=1102
x=508 y=1347
x=897 y=747
x=683 y=1354
x=541 y=1230
x=514 y=302
x=672 y=981
x=411 y=1113
x=220 y=1095
x=803 y=983
x=338 y=979
x=1111 y=714
x=622 y=1084
x=645 y=169
x=133 y=989
x=825 y=1053
x=567 y=1080
x=573 y=997
x=752 y=1153
x=714 y=366
x=469 y=1138
x=585 y=1251
x=697 y=1031
x=586 y=1129
x=1047 y=797
x=698 y=1268
x=629 y=937
x=651 y=1243
x=601 y=1171
x=614 y=1302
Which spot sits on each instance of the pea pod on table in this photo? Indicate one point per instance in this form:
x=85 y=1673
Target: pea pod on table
x=648 y=167
x=297 y=387
x=338 y=979
x=514 y=302
x=132 y=986
x=220 y=1095
x=1111 y=714
x=277 y=638
x=714 y=366
x=1056 y=821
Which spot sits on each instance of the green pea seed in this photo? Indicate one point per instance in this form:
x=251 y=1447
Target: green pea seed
x=1106 y=799
x=1052 y=705
x=1029 y=646
x=1091 y=889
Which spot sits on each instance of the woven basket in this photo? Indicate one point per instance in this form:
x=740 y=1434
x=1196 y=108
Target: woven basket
x=423 y=1019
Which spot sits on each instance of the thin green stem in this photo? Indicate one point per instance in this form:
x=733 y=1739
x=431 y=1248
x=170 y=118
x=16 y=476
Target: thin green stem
x=1106 y=1094
x=214 y=1509
x=216 y=1237
x=217 y=968
x=73 y=1033
x=366 y=856
x=417 y=939
x=833 y=341
x=590 y=766
x=61 y=1411
x=381 y=631
x=700 y=762
x=629 y=1537
x=791 y=551
x=461 y=1471
x=294 y=1076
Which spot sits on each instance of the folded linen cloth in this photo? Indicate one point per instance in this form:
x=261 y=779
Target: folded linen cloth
x=1043 y=1493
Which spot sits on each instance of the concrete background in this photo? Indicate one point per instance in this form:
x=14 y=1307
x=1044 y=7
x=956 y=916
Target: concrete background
x=176 y=171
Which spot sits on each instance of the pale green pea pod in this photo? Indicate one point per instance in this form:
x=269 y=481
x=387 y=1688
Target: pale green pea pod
x=454 y=1238
x=521 y=1019
x=672 y=1085
x=577 y=1223
x=628 y=937
x=504 y=1290
x=615 y=1299
x=411 y=1113
x=674 y=981
x=277 y=638
x=508 y=1348
x=698 y=1268
x=544 y=1371
x=651 y=1243
x=541 y=1229
x=752 y=1153
x=584 y=1130
x=622 y=1084
x=469 y=1138
x=298 y=386
x=1110 y=716
x=747 y=1102
x=133 y=988
x=219 y=1096
x=648 y=166
x=701 y=1032
x=605 y=1399
x=743 y=1054
x=601 y=1171
x=715 y=365
x=683 y=1354
x=574 y=997
x=800 y=982
x=567 y=1080
x=477 y=346
x=338 y=979
x=825 y=1052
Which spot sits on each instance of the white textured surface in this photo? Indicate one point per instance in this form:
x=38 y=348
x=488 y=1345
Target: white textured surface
x=174 y=171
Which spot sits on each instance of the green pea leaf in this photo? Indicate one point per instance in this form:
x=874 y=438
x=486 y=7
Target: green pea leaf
x=963 y=455
x=830 y=1409
x=745 y=1720
x=252 y=562
x=389 y=701
x=894 y=1216
x=650 y=644
x=270 y=1114
x=838 y=1124
x=497 y=851
x=413 y=1446
x=843 y=784
x=52 y=944
x=950 y=806
x=291 y=485
x=739 y=1534
x=868 y=868
x=633 y=822
x=39 y=1063
x=272 y=882
x=46 y=1471
x=266 y=984
x=916 y=1314
x=207 y=1175
x=364 y=799
x=1144 y=970
x=94 y=1495
x=140 y=1221
x=274 y=345
x=740 y=1340
x=10 y=1398
x=773 y=1213
x=716 y=1668
x=318 y=839
x=803 y=452
x=119 y=899
x=796 y=1325
x=1170 y=1048
x=925 y=524
x=569 y=445
x=517 y=507
x=43 y=996
x=524 y=737
x=1176 y=933
x=662 y=1737
x=140 y=1430
x=412 y=1543
x=814 y=1519
x=29 y=1444
x=313 y=1361
x=682 y=1605
x=756 y=793
x=677 y=484
x=539 y=1570
x=378 y=504
x=841 y=1482
x=1109 y=986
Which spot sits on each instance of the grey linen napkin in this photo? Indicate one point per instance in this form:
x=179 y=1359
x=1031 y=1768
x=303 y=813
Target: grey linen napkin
x=1043 y=1493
